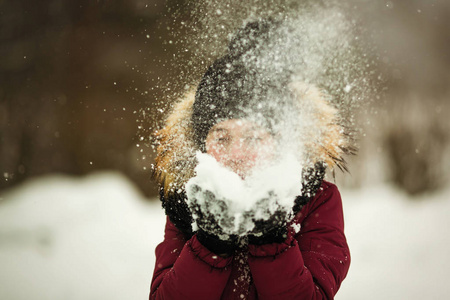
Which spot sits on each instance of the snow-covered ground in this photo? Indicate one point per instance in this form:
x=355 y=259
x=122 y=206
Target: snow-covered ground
x=66 y=238
x=94 y=238
x=399 y=246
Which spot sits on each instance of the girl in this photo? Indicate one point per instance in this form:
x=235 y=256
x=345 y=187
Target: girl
x=234 y=117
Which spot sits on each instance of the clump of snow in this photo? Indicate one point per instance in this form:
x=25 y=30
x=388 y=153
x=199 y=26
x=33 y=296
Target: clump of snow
x=256 y=196
x=296 y=227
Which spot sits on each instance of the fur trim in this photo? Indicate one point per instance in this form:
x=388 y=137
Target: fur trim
x=329 y=141
x=175 y=160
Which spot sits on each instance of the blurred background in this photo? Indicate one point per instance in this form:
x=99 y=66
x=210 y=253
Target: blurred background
x=76 y=78
x=84 y=83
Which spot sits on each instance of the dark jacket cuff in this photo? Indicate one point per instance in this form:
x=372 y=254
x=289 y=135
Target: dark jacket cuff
x=207 y=256
x=216 y=245
x=272 y=249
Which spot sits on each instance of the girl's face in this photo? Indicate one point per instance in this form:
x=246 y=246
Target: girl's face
x=240 y=145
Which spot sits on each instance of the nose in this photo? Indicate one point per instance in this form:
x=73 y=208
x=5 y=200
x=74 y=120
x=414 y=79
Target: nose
x=236 y=150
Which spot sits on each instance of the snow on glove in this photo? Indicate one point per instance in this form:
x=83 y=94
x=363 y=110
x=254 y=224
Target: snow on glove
x=270 y=219
x=215 y=225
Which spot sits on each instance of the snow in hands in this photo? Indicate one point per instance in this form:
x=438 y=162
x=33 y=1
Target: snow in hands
x=225 y=204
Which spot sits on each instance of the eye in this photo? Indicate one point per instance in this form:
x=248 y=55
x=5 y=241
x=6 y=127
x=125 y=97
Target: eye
x=222 y=139
x=253 y=139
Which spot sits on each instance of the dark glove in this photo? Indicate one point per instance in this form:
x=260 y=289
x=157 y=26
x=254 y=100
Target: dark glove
x=212 y=219
x=217 y=245
x=270 y=230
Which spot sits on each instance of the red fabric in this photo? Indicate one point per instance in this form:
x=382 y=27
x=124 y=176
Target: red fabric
x=310 y=264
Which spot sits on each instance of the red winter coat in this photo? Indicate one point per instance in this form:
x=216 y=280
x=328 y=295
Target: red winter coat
x=310 y=264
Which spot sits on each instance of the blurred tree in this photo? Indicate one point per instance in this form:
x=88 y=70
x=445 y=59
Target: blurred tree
x=409 y=134
x=73 y=75
x=416 y=158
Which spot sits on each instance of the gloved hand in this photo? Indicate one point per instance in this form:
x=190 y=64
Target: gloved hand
x=220 y=232
x=216 y=229
x=270 y=219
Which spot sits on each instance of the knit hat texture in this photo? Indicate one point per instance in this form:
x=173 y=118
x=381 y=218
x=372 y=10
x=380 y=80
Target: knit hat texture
x=234 y=87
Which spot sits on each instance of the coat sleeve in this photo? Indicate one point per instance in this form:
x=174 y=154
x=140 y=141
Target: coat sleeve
x=310 y=264
x=186 y=269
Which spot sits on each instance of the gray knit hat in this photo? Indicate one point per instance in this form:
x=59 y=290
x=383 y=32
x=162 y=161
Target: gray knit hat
x=233 y=88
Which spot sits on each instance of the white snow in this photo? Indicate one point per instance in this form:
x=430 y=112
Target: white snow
x=283 y=178
x=68 y=238
x=399 y=246
x=94 y=238
x=277 y=182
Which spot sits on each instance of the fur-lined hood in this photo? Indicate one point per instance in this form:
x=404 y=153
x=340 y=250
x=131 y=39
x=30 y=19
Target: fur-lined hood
x=175 y=162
